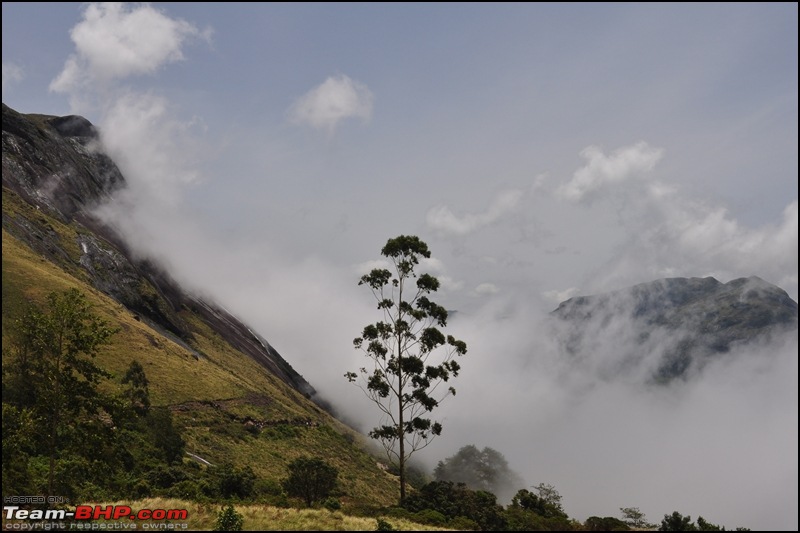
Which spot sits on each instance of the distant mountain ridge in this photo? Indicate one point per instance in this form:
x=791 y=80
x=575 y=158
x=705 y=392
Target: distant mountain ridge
x=686 y=321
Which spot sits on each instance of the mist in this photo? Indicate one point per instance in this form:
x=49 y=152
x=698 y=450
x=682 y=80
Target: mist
x=721 y=444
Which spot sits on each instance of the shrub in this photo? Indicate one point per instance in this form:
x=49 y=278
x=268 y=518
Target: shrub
x=332 y=504
x=235 y=482
x=462 y=523
x=606 y=523
x=229 y=520
x=383 y=525
x=430 y=517
x=311 y=479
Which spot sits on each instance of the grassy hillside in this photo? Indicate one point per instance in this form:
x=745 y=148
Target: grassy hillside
x=229 y=407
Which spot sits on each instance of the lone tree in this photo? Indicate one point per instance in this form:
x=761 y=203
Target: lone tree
x=404 y=377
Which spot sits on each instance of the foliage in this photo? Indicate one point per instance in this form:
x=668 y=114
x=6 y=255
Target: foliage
x=677 y=522
x=456 y=500
x=538 y=512
x=403 y=381
x=704 y=525
x=606 y=523
x=311 y=479
x=430 y=517
x=235 y=482
x=462 y=523
x=332 y=504
x=53 y=379
x=229 y=520
x=547 y=506
x=18 y=443
x=165 y=435
x=519 y=519
x=62 y=433
x=383 y=525
x=485 y=469
x=549 y=495
x=137 y=394
x=635 y=518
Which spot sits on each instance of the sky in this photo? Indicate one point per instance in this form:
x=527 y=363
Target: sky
x=542 y=151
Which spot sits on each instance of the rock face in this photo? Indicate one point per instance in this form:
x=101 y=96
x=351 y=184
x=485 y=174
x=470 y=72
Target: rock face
x=680 y=323
x=55 y=163
x=54 y=173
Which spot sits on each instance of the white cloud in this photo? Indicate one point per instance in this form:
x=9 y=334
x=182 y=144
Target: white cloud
x=336 y=99
x=116 y=40
x=557 y=296
x=12 y=73
x=432 y=265
x=449 y=284
x=442 y=219
x=485 y=289
x=157 y=152
x=368 y=266
x=671 y=235
x=624 y=164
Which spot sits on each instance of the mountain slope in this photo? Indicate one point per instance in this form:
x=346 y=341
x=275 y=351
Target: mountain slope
x=236 y=399
x=679 y=323
x=55 y=165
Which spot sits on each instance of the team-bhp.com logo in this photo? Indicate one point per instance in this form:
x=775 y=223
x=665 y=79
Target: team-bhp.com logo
x=91 y=513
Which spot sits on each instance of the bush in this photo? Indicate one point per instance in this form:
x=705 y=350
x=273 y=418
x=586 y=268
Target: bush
x=453 y=500
x=311 y=479
x=399 y=512
x=187 y=489
x=332 y=504
x=229 y=520
x=462 y=523
x=606 y=523
x=235 y=482
x=430 y=517
x=383 y=525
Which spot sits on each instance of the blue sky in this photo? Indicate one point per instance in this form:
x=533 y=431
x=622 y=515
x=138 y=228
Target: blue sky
x=541 y=150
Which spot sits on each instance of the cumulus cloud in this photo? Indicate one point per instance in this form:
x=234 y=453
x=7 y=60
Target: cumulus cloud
x=336 y=99
x=12 y=73
x=442 y=220
x=117 y=40
x=624 y=164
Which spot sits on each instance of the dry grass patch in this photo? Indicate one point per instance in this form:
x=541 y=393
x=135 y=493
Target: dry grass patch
x=201 y=517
